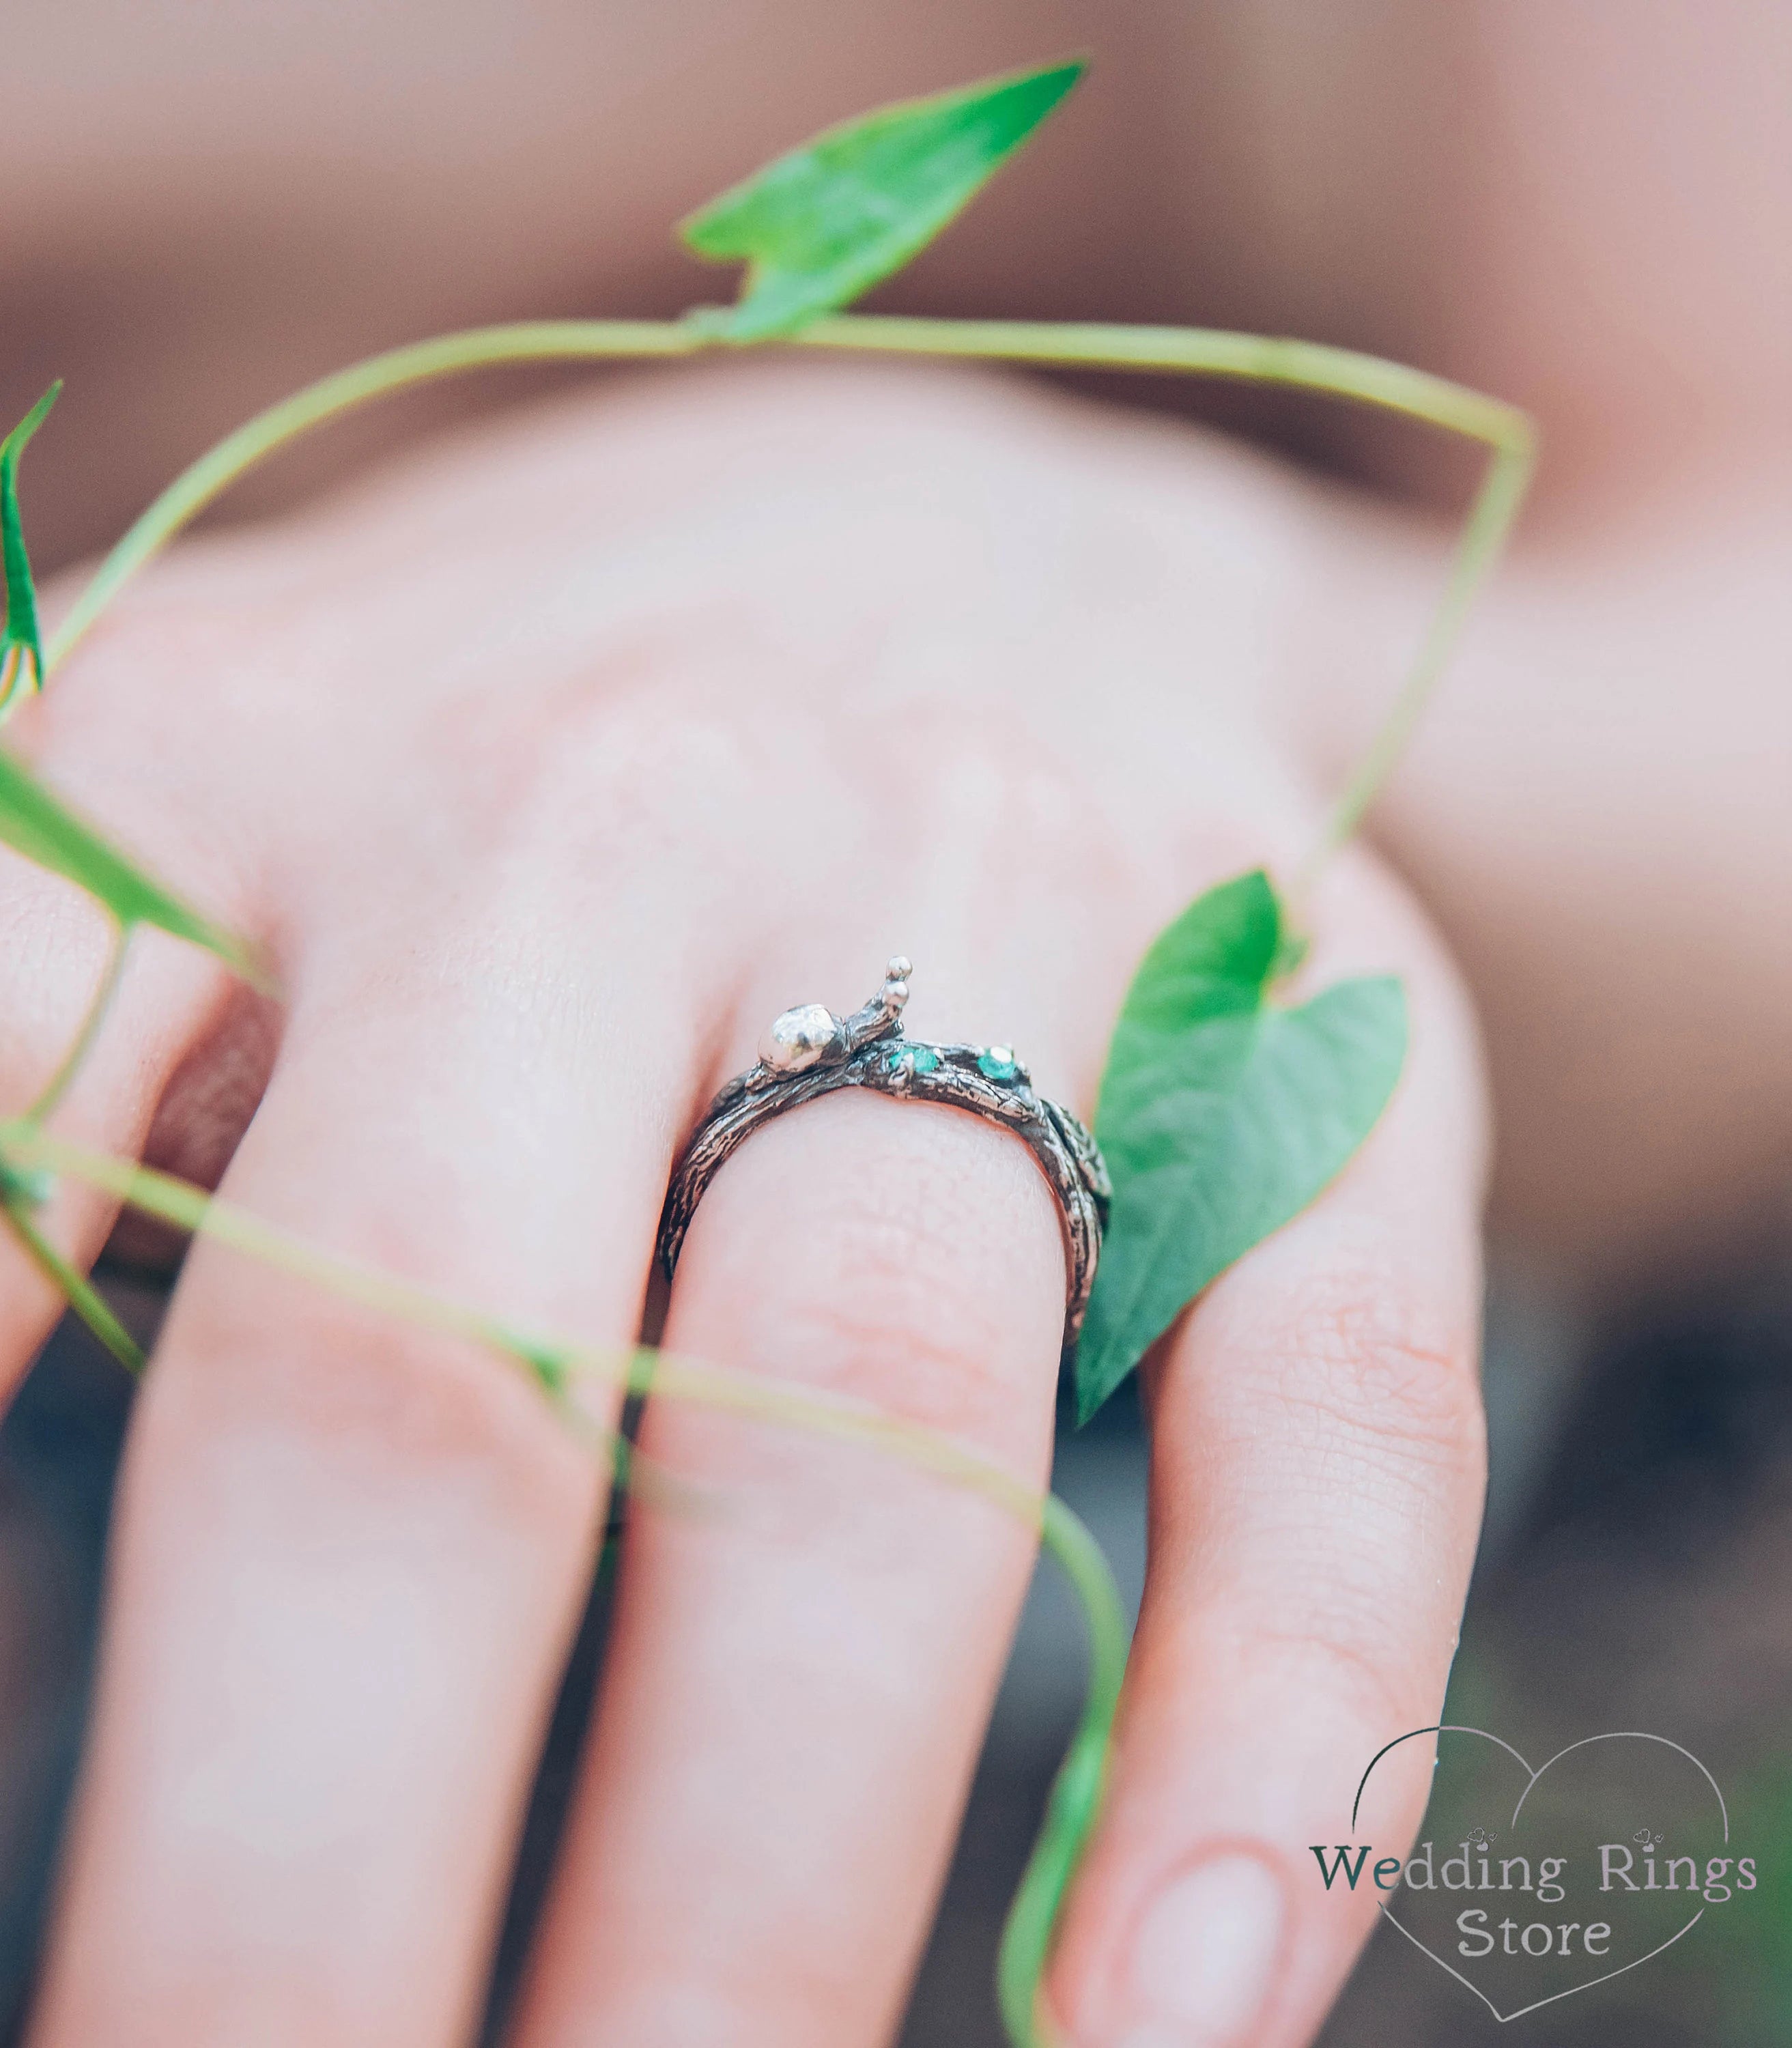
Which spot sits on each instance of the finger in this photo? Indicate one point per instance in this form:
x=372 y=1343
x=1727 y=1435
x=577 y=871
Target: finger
x=1315 y=1485
x=797 y=1682
x=348 y=1556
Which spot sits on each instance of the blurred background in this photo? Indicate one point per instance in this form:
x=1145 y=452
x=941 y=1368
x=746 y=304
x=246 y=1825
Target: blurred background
x=1582 y=205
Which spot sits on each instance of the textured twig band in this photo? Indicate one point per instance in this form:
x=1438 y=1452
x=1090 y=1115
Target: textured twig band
x=807 y=1053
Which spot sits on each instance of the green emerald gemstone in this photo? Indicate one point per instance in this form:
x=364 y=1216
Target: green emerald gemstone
x=917 y=1059
x=998 y=1063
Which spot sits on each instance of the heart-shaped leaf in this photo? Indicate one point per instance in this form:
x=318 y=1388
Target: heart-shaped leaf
x=824 y=223
x=42 y=828
x=1222 y=1115
x=21 y=646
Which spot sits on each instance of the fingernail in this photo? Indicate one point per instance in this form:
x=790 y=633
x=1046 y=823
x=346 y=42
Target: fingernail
x=1203 y=1956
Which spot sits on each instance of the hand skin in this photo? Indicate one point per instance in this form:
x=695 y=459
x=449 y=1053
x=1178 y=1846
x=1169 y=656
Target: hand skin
x=549 y=767
x=1582 y=209
x=437 y=793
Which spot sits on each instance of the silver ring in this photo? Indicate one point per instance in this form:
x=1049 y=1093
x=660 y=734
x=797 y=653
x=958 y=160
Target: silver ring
x=810 y=1052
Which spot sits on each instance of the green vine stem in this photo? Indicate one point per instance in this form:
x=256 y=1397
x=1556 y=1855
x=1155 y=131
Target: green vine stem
x=1306 y=365
x=396 y=370
x=91 y=1025
x=73 y=1285
x=1074 y=1804
x=1196 y=352
x=560 y=1366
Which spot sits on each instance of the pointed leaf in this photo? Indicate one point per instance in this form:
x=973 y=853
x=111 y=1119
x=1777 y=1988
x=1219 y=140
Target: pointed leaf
x=40 y=826
x=823 y=224
x=1222 y=1116
x=21 y=646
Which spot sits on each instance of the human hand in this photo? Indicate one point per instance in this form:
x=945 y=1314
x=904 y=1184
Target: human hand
x=548 y=770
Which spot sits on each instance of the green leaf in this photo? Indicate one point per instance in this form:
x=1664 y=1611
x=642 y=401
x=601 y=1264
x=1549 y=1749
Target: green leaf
x=823 y=224
x=1222 y=1115
x=21 y=644
x=39 y=825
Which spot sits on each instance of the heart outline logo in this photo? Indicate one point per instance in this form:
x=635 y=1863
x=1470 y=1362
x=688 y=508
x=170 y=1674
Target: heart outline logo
x=1532 y=1777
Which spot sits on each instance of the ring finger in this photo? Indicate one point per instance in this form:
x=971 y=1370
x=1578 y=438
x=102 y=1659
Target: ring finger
x=798 y=1677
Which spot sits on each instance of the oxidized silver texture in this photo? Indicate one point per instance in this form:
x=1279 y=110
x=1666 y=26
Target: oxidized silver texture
x=806 y=1053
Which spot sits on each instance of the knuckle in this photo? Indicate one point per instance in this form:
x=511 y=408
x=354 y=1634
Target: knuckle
x=1367 y=1364
x=150 y=640
x=978 y=780
x=185 y=726
x=1351 y=1427
x=637 y=778
x=1372 y=1383
x=201 y=633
